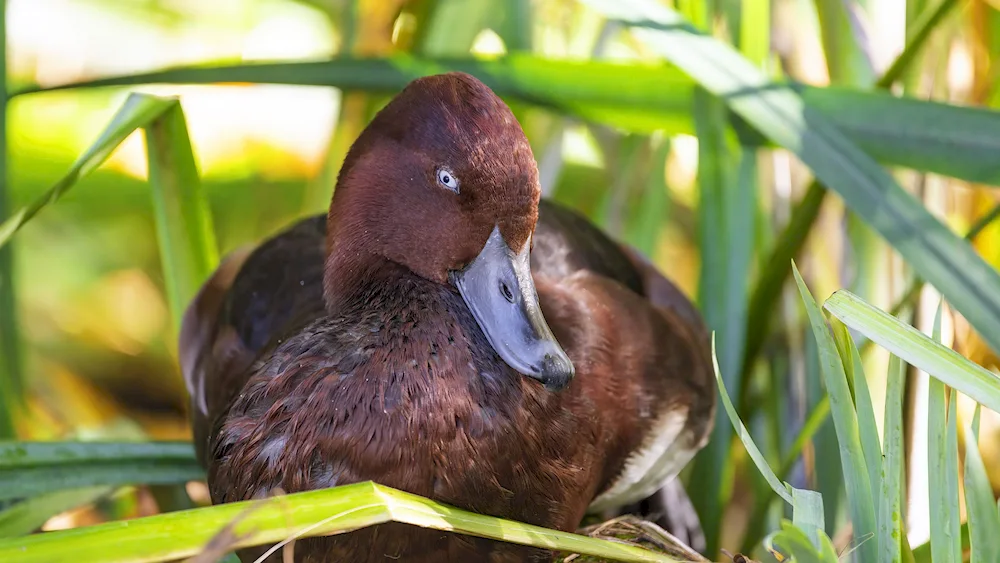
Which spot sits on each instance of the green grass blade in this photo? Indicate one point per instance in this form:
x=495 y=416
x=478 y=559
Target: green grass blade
x=859 y=493
x=817 y=416
x=32 y=468
x=984 y=520
x=755 y=30
x=794 y=542
x=902 y=137
x=846 y=60
x=934 y=251
x=183 y=222
x=178 y=535
x=643 y=233
x=916 y=348
x=138 y=111
x=11 y=378
x=727 y=182
x=854 y=368
x=28 y=515
x=942 y=470
x=643 y=98
x=828 y=469
x=890 y=516
x=922 y=553
x=927 y=22
x=639 y=98
x=772 y=276
x=779 y=488
x=951 y=473
x=807 y=514
x=715 y=184
x=451 y=26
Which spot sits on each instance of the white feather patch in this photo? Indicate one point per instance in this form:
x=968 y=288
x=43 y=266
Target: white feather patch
x=664 y=451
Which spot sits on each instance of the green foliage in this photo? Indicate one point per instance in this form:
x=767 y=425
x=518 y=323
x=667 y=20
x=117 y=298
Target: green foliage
x=890 y=515
x=11 y=379
x=183 y=221
x=942 y=461
x=178 y=535
x=644 y=98
x=33 y=468
x=916 y=348
x=28 y=515
x=852 y=456
x=984 y=521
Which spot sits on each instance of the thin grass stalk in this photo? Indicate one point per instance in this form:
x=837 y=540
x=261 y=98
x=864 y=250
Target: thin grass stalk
x=773 y=277
x=10 y=350
x=925 y=24
x=712 y=470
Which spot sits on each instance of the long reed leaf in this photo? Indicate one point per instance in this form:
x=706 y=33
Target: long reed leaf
x=178 y=535
x=890 y=515
x=942 y=469
x=32 y=468
x=854 y=368
x=859 y=493
x=137 y=111
x=916 y=348
x=11 y=378
x=640 y=98
x=725 y=248
x=28 y=515
x=781 y=489
x=643 y=98
x=183 y=222
x=984 y=520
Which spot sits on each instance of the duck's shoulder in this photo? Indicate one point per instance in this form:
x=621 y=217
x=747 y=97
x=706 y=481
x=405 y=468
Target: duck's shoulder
x=254 y=298
x=568 y=246
x=566 y=242
x=280 y=286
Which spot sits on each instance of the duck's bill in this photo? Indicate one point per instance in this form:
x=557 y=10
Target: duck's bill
x=498 y=289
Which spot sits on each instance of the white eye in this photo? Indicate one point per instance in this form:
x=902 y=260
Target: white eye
x=447 y=179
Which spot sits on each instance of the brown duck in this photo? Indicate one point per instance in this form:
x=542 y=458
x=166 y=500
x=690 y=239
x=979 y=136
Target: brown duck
x=444 y=332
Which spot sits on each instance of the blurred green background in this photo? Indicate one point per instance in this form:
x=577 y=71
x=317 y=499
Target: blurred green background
x=694 y=189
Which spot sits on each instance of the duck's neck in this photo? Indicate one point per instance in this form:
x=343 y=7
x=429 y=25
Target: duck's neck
x=354 y=281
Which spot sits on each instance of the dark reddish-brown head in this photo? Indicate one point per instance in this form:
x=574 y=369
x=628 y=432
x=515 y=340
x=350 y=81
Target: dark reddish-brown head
x=443 y=182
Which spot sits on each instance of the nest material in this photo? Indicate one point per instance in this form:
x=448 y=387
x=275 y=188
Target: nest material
x=635 y=531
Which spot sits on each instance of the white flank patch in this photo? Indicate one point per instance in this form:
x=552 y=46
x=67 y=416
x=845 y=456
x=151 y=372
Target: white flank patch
x=663 y=453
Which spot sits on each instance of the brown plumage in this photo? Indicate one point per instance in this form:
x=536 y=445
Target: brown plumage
x=344 y=349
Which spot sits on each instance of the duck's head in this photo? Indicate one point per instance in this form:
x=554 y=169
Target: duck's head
x=443 y=182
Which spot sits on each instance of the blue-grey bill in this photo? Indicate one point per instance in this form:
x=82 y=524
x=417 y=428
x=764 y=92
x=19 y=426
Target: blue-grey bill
x=498 y=288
